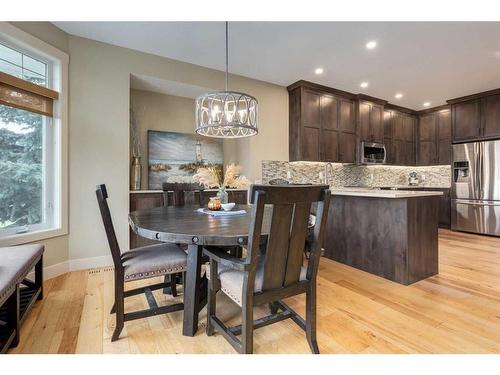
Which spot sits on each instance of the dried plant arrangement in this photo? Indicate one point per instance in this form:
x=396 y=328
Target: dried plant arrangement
x=210 y=177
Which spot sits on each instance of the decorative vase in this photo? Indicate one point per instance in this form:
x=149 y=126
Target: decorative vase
x=135 y=173
x=214 y=204
x=222 y=195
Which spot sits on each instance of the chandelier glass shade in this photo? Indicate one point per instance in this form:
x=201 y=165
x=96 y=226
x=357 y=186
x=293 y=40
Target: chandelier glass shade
x=226 y=114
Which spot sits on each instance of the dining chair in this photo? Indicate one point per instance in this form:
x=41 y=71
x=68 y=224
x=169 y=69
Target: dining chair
x=276 y=274
x=183 y=194
x=137 y=264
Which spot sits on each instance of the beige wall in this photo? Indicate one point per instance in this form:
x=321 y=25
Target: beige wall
x=56 y=249
x=99 y=131
x=154 y=111
x=99 y=103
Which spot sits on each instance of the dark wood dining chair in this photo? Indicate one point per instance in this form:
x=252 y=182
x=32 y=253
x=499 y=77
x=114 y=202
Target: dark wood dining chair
x=137 y=264
x=276 y=274
x=183 y=194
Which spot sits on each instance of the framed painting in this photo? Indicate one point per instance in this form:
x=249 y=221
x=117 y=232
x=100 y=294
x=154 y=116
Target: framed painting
x=175 y=157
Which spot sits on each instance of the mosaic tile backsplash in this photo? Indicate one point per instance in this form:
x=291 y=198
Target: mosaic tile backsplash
x=341 y=175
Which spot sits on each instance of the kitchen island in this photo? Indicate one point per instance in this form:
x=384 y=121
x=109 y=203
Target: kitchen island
x=389 y=233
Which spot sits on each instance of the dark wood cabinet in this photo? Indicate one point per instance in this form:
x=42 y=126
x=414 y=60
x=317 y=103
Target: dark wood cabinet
x=466 y=119
x=371 y=122
x=322 y=125
x=399 y=137
x=490 y=108
x=434 y=137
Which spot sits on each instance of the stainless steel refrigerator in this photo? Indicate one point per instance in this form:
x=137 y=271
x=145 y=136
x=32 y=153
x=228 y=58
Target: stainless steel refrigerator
x=475 y=190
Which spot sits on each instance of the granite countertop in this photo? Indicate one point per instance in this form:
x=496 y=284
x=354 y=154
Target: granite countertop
x=377 y=193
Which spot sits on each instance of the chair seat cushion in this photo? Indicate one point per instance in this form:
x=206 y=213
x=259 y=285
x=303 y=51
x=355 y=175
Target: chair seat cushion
x=15 y=264
x=154 y=260
x=231 y=280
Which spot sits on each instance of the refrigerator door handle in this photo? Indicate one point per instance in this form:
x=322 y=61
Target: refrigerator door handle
x=472 y=203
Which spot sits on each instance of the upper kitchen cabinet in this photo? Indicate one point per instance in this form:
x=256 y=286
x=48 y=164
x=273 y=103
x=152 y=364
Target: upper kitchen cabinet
x=434 y=137
x=322 y=124
x=490 y=119
x=476 y=117
x=399 y=137
x=371 y=121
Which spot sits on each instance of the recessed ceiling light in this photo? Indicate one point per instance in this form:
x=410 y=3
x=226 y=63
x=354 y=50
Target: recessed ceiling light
x=398 y=95
x=371 y=44
x=427 y=104
x=364 y=85
x=318 y=71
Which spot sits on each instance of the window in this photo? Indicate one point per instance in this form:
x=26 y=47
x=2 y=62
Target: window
x=30 y=147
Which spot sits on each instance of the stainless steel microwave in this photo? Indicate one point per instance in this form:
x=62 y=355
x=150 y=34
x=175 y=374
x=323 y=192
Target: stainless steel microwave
x=372 y=153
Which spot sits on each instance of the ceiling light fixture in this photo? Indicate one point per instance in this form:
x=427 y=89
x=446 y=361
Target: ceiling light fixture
x=427 y=104
x=318 y=71
x=226 y=114
x=398 y=95
x=364 y=85
x=371 y=44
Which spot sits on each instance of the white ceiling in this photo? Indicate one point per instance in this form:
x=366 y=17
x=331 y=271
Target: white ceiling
x=423 y=60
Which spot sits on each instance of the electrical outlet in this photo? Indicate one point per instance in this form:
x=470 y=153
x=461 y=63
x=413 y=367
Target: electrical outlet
x=288 y=175
x=321 y=176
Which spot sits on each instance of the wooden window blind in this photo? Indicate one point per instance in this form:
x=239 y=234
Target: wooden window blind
x=18 y=93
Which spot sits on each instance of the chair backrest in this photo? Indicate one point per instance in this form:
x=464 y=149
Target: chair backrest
x=183 y=194
x=102 y=196
x=289 y=228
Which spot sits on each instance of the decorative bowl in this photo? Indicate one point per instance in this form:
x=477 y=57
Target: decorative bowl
x=228 y=206
x=214 y=204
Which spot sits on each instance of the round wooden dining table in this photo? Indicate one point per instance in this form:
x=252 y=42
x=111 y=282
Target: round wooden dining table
x=185 y=225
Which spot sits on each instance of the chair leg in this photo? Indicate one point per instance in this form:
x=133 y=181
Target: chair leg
x=212 y=297
x=247 y=325
x=167 y=280
x=311 y=318
x=273 y=307
x=119 y=306
x=173 y=284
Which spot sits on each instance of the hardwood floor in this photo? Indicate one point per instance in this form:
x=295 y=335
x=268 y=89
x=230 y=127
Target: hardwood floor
x=457 y=311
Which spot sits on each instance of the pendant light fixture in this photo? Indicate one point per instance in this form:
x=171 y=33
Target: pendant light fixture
x=226 y=114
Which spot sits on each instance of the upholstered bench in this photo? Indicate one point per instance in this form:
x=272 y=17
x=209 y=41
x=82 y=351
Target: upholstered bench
x=17 y=293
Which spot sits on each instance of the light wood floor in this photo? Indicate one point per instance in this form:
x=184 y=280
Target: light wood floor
x=457 y=311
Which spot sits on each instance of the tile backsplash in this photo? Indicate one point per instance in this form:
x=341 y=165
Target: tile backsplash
x=340 y=175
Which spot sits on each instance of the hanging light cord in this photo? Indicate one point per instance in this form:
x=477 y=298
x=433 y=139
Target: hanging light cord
x=227 y=53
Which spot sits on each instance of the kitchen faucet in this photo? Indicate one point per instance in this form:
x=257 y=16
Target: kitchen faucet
x=327 y=167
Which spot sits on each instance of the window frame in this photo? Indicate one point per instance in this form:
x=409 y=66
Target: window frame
x=55 y=139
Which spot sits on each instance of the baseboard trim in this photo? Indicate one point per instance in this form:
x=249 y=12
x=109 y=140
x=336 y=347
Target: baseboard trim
x=58 y=269
x=87 y=263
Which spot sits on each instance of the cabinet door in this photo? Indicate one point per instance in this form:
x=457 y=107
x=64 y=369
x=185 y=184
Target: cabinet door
x=310 y=144
x=444 y=124
x=409 y=128
x=409 y=150
x=328 y=114
x=397 y=126
x=329 y=146
x=465 y=121
x=444 y=151
x=310 y=109
x=347 y=147
x=376 y=123
x=427 y=153
x=427 y=128
x=399 y=157
x=346 y=116
x=491 y=116
x=364 y=121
